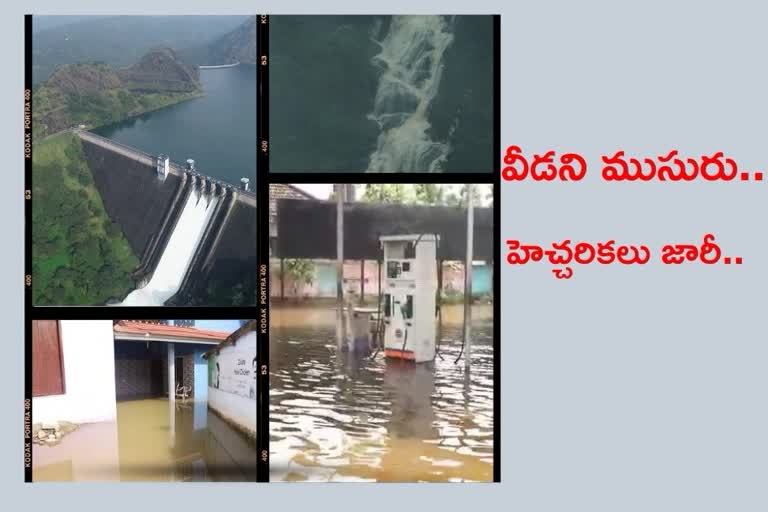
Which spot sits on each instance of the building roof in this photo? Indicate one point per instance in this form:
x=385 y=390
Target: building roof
x=135 y=328
x=249 y=326
x=282 y=191
x=307 y=229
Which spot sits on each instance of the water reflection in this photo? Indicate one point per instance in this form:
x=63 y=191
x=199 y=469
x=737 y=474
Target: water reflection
x=335 y=416
x=152 y=440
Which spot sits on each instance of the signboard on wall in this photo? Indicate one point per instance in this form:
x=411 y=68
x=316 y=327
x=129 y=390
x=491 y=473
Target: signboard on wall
x=233 y=369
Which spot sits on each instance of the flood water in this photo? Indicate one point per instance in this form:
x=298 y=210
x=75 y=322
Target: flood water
x=148 y=443
x=336 y=417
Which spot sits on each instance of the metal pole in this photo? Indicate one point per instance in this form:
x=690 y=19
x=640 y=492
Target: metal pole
x=439 y=303
x=379 y=312
x=171 y=372
x=282 y=279
x=439 y=297
x=339 y=266
x=378 y=264
x=493 y=269
x=468 y=281
x=171 y=395
x=362 y=282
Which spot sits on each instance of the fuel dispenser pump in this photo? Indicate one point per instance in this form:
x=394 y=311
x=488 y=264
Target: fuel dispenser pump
x=410 y=290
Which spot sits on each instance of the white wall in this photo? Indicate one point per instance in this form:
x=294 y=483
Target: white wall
x=233 y=406
x=89 y=376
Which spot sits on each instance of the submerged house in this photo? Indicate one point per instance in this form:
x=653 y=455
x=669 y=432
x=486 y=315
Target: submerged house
x=149 y=356
x=232 y=371
x=138 y=394
x=81 y=368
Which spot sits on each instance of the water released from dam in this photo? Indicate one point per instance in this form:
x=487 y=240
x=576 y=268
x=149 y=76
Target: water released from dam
x=217 y=130
x=178 y=253
x=411 y=59
x=381 y=93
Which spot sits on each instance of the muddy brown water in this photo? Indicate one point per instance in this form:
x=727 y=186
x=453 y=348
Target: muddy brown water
x=151 y=441
x=337 y=417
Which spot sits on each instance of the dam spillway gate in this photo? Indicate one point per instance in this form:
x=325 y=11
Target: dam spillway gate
x=216 y=225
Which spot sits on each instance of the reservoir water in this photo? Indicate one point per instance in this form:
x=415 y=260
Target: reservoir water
x=337 y=417
x=217 y=130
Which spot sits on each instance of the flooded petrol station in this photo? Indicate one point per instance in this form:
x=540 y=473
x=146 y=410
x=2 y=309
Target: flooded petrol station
x=393 y=381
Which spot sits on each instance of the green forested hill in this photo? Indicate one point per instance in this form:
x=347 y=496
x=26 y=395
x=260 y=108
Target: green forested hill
x=238 y=45
x=94 y=94
x=79 y=257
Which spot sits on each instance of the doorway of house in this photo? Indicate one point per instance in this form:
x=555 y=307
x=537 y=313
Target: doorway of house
x=140 y=370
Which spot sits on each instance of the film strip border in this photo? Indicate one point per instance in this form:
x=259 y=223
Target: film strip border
x=263 y=248
x=497 y=249
x=266 y=176
x=32 y=312
x=28 y=248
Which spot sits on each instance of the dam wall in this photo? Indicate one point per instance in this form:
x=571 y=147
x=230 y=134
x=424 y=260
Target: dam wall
x=132 y=195
x=159 y=239
x=212 y=232
x=148 y=211
x=225 y=265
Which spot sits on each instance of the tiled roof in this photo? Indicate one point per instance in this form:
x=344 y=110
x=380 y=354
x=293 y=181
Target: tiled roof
x=249 y=326
x=148 y=329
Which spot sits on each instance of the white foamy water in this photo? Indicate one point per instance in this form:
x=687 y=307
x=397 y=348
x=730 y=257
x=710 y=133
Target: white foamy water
x=178 y=253
x=412 y=60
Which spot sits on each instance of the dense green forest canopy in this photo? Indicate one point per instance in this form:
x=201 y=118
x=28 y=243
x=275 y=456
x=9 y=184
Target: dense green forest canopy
x=79 y=257
x=55 y=111
x=94 y=94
